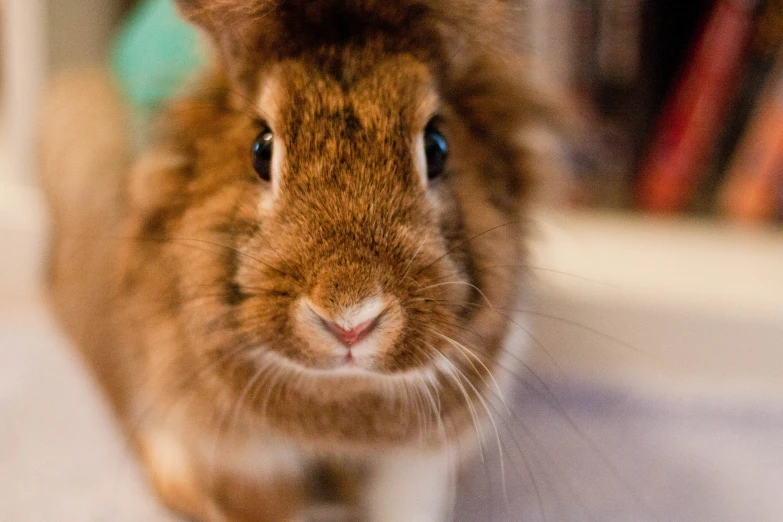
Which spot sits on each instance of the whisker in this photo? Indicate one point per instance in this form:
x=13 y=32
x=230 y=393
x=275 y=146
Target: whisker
x=553 y=400
x=548 y=316
x=542 y=454
x=466 y=396
x=532 y=267
x=526 y=461
x=466 y=241
x=410 y=262
x=186 y=381
x=581 y=326
x=562 y=320
x=238 y=251
x=482 y=401
x=511 y=320
x=263 y=368
x=189 y=242
x=462 y=348
x=526 y=464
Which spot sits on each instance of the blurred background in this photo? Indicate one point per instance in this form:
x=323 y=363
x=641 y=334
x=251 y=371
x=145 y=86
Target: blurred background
x=682 y=102
x=659 y=281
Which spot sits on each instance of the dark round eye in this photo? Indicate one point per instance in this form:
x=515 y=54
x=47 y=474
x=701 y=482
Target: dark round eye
x=262 y=154
x=436 y=150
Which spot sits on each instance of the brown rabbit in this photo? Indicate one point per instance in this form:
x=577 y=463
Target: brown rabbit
x=286 y=289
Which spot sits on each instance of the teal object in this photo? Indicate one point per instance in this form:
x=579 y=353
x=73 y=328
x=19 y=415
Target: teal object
x=154 y=55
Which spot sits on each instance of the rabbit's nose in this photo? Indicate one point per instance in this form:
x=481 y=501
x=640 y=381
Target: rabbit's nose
x=354 y=324
x=354 y=335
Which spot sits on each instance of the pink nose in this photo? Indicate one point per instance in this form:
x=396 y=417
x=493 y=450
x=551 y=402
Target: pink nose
x=355 y=334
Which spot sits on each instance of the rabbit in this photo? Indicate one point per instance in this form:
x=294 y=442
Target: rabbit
x=283 y=290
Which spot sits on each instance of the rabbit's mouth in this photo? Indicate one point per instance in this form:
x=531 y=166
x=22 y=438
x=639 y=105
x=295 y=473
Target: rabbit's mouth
x=352 y=339
x=346 y=368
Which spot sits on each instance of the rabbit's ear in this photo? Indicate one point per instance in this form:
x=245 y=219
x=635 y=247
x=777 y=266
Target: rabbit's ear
x=246 y=32
x=234 y=27
x=216 y=15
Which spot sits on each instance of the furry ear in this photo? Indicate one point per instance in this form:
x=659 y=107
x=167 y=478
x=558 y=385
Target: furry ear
x=233 y=26
x=247 y=32
x=216 y=15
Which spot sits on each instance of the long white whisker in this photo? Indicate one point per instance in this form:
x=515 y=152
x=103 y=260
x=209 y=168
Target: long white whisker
x=248 y=387
x=421 y=386
x=410 y=263
x=416 y=409
x=471 y=285
x=272 y=380
x=465 y=350
x=435 y=400
x=494 y=426
x=464 y=392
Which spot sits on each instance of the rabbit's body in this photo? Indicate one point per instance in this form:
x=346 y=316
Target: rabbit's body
x=226 y=317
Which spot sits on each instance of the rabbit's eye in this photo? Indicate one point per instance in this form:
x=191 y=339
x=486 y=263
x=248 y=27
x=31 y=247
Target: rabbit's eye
x=262 y=154
x=436 y=150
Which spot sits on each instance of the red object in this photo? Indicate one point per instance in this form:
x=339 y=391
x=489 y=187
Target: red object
x=754 y=182
x=690 y=125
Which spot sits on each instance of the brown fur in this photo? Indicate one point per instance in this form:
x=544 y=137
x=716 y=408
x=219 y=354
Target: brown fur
x=174 y=274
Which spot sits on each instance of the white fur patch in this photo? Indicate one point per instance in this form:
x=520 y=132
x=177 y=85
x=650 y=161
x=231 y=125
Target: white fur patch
x=259 y=458
x=412 y=487
x=352 y=317
x=420 y=158
x=172 y=462
x=262 y=458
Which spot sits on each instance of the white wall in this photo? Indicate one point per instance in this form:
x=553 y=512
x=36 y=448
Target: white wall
x=23 y=65
x=40 y=36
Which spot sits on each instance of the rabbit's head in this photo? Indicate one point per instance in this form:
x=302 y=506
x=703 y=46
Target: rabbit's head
x=341 y=208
